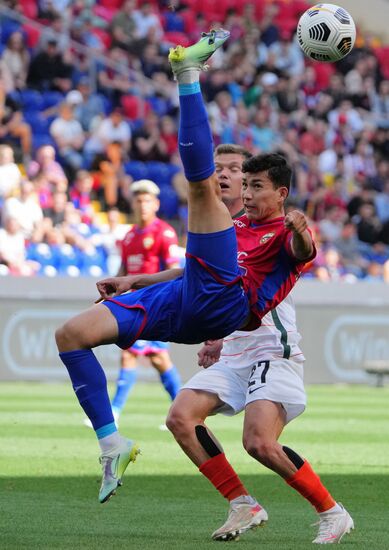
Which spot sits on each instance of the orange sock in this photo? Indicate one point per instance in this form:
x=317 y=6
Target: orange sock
x=223 y=477
x=308 y=484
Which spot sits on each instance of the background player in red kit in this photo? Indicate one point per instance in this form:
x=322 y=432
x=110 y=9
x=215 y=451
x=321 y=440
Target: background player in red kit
x=150 y=246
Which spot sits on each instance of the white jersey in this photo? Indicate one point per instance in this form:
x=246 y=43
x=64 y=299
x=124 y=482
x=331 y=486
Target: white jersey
x=276 y=338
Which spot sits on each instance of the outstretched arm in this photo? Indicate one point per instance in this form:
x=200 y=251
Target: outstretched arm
x=301 y=244
x=113 y=286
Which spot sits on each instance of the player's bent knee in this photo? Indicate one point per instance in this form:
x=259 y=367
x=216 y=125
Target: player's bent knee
x=176 y=422
x=67 y=337
x=264 y=451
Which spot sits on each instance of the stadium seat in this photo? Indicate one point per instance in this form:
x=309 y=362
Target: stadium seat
x=169 y=202
x=8 y=26
x=173 y=21
x=31 y=100
x=32 y=35
x=29 y=8
x=159 y=172
x=38 y=140
x=93 y=262
x=175 y=38
x=42 y=253
x=114 y=4
x=50 y=99
x=69 y=257
x=105 y=12
x=134 y=106
x=136 y=169
x=39 y=124
x=158 y=105
x=104 y=36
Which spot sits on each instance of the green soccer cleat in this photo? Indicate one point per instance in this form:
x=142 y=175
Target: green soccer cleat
x=114 y=466
x=194 y=57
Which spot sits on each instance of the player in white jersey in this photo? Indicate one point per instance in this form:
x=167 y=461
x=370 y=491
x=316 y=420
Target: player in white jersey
x=265 y=364
x=260 y=372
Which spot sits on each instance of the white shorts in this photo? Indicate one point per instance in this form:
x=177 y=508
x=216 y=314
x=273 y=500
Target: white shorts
x=279 y=380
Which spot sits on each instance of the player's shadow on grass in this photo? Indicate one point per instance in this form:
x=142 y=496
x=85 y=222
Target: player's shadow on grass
x=169 y=512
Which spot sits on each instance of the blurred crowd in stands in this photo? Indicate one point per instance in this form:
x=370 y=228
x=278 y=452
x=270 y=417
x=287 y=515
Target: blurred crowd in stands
x=88 y=104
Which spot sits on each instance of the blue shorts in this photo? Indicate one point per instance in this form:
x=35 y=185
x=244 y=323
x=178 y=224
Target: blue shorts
x=207 y=302
x=145 y=347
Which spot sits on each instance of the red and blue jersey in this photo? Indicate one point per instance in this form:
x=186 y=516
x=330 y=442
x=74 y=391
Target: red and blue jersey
x=268 y=266
x=150 y=249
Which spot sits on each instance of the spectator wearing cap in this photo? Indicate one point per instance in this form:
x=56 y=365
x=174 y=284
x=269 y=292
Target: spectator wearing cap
x=88 y=106
x=49 y=71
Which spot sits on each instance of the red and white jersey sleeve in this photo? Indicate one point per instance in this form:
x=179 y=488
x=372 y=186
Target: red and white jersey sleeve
x=268 y=267
x=277 y=338
x=150 y=249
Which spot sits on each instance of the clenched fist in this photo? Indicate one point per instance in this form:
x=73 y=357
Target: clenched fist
x=296 y=221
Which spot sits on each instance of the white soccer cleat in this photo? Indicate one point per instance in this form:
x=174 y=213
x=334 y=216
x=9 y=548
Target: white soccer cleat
x=333 y=526
x=114 y=465
x=241 y=518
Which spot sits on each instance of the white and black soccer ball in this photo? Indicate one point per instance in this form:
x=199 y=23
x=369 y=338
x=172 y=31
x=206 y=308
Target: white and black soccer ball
x=326 y=32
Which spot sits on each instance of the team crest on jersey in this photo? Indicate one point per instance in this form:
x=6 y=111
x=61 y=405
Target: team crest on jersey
x=266 y=237
x=148 y=242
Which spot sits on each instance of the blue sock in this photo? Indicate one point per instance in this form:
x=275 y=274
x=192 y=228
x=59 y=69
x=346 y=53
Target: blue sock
x=90 y=386
x=171 y=381
x=124 y=383
x=194 y=134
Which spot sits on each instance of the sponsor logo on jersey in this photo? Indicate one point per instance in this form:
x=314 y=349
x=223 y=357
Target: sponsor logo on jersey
x=148 y=242
x=169 y=233
x=239 y=223
x=266 y=237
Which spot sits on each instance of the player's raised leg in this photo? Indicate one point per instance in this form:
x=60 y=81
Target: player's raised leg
x=207 y=214
x=186 y=420
x=260 y=441
x=74 y=340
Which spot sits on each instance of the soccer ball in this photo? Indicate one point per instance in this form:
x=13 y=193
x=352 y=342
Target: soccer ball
x=326 y=32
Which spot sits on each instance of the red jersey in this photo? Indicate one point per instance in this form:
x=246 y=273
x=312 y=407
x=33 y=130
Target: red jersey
x=150 y=249
x=267 y=264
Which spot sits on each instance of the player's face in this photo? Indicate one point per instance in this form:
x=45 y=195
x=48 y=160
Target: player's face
x=145 y=207
x=229 y=173
x=261 y=200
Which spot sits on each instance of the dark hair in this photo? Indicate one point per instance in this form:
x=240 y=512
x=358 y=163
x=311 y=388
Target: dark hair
x=232 y=149
x=276 y=166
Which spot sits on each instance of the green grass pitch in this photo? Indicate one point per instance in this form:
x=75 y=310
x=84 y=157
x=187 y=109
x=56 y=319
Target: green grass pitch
x=49 y=474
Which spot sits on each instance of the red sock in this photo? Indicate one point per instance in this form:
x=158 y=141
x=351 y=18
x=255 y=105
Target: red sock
x=223 y=477
x=308 y=484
